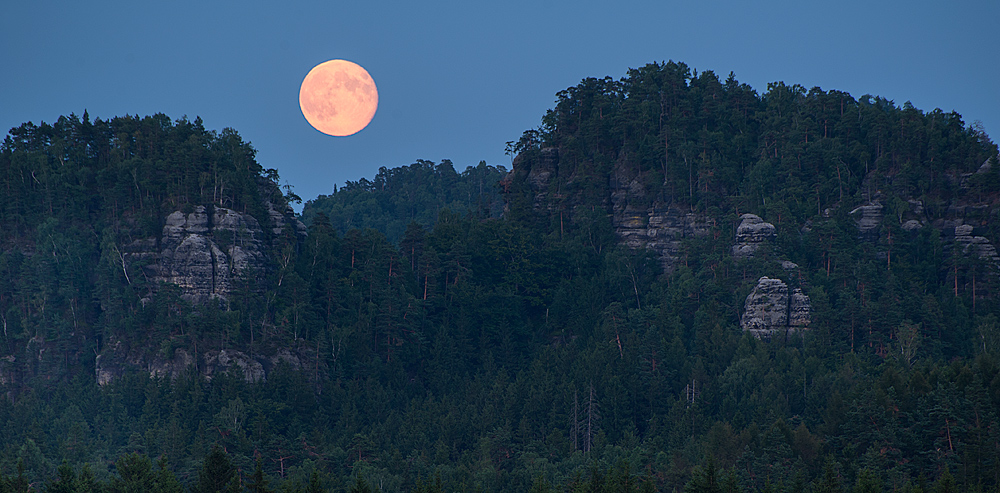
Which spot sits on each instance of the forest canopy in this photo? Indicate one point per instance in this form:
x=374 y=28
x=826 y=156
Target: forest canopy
x=410 y=194
x=442 y=331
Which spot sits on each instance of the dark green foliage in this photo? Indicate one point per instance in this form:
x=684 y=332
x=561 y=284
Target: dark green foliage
x=217 y=474
x=19 y=483
x=425 y=336
x=76 y=195
x=66 y=481
x=397 y=197
x=829 y=482
x=135 y=474
x=705 y=480
x=361 y=486
x=314 y=486
x=435 y=486
x=868 y=482
x=165 y=480
x=258 y=482
x=946 y=483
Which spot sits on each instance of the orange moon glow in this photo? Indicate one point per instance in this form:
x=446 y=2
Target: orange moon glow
x=338 y=98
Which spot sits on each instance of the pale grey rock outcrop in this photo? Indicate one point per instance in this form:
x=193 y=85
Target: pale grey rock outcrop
x=638 y=220
x=173 y=367
x=868 y=219
x=788 y=264
x=977 y=246
x=655 y=227
x=986 y=167
x=202 y=255
x=799 y=309
x=661 y=230
x=280 y=219
x=227 y=360
x=104 y=370
x=751 y=235
x=766 y=307
x=7 y=371
x=285 y=356
x=769 y=308
x=103 y=374
x=543 y=169
x=118 y=359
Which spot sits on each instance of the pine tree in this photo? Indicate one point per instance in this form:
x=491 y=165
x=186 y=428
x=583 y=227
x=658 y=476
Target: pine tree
x=946 y=483
x=705 y=479
x=135 y=474
x=20 y=483
x=258 y=483
x=66 y=482
x=164 y=480
x=868 y=482
x=361 y=486
x=574 y=425
x=217 y=474
x=830 y=483
x=314 y=486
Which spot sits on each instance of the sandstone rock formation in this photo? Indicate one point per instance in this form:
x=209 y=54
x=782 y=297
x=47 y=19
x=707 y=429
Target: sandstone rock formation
x=204 y=252
x=659 y=229
x=171 y=368
x=751 y=235
x=233 y=361
x=542 y=172
x=798 y=310
x=769 y=308
x=766 y=307
x=868 y=218
x=201 y=252
x=788 y=265
x=977 y=246
x=118 y=359
x=638 y=222
x=281 y=219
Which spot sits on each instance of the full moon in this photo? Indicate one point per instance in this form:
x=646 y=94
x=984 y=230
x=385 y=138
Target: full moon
x=338 y=98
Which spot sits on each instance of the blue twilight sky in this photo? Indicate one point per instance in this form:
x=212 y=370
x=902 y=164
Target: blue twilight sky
x=457 y=79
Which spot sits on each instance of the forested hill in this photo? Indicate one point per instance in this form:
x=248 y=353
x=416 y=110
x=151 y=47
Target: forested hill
x=105 y=222
x=692 y=140
x=691 y=287
x=879 y=207
x=416 y=193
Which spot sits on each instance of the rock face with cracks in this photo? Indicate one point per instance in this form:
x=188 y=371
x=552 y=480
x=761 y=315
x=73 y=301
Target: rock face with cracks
x=751 y=235
x=202 y=252
x=252 y=367
x=975 y=246
x=868 y=218
x=207 y=251
x=638 y=222
x=769 y=308
x=661 y=230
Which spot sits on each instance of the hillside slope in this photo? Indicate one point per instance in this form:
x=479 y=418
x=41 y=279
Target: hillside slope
x=109 y=227
x=840 y=186
x=690 y=283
